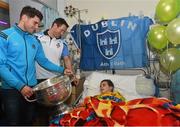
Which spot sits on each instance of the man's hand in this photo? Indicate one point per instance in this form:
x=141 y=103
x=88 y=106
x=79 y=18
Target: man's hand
x=27 y=91
x=75 y=81
x=68 y=72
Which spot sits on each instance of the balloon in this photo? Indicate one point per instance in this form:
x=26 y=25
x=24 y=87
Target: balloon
x=173 y=31
x=157 y=38
x=167 y=10
x=170 y=59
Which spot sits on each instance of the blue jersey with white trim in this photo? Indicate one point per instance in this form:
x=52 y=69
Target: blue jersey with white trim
x=18 y=52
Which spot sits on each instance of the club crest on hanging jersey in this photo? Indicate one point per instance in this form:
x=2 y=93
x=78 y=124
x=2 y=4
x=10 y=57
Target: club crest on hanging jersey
x=108 y=43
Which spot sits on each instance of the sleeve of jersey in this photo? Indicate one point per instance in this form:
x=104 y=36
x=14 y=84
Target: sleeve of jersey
x=5 y=73
x=45 y=63
x=148 y=22
x=65 y=51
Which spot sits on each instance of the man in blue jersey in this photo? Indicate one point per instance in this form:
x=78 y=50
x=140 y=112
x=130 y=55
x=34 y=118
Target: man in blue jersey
x=19 y=50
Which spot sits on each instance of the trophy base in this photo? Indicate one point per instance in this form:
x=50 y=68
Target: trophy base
x=60 y=110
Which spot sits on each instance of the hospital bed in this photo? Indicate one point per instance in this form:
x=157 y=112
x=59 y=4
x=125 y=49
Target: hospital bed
x=140 y=108
x=131 y=83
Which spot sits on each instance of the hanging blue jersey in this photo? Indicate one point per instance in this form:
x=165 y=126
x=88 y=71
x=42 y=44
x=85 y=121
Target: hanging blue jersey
x=113 y=44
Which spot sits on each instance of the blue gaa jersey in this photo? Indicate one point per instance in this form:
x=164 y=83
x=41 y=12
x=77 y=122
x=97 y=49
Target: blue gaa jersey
x=113 y=44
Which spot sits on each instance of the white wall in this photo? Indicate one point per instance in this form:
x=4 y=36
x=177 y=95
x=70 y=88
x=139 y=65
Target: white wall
x=50 y=3
x=60 y=7
x=17 y=5
x=109 y=9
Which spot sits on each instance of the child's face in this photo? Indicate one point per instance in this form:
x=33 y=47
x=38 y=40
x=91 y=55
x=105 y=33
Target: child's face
x=104 y=87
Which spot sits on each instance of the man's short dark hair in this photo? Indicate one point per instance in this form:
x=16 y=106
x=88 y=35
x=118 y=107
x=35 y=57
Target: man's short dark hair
x=31 y=12
x=60 y=21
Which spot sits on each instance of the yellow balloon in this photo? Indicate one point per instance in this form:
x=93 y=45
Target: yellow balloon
x=170 y=59
x=173 y=31
x=167 y=10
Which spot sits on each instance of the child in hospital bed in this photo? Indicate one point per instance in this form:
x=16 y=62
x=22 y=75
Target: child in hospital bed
x=106 y=93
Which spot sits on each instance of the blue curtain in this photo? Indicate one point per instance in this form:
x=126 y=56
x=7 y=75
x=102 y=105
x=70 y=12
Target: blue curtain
x=49 y=15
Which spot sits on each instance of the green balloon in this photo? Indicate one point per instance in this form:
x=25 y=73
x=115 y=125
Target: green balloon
x=170 y=59
x=173 y=31
x=157 y=38
x=167 y=10
x=178 y=2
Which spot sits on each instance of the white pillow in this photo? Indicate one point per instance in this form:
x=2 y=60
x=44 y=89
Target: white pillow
x=126 y=85
x=145 y=86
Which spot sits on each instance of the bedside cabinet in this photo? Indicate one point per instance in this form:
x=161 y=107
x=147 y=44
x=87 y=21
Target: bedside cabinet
x=76 y=91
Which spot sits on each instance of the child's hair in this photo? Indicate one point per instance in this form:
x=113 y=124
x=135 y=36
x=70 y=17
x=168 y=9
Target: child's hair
x=109 y=82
